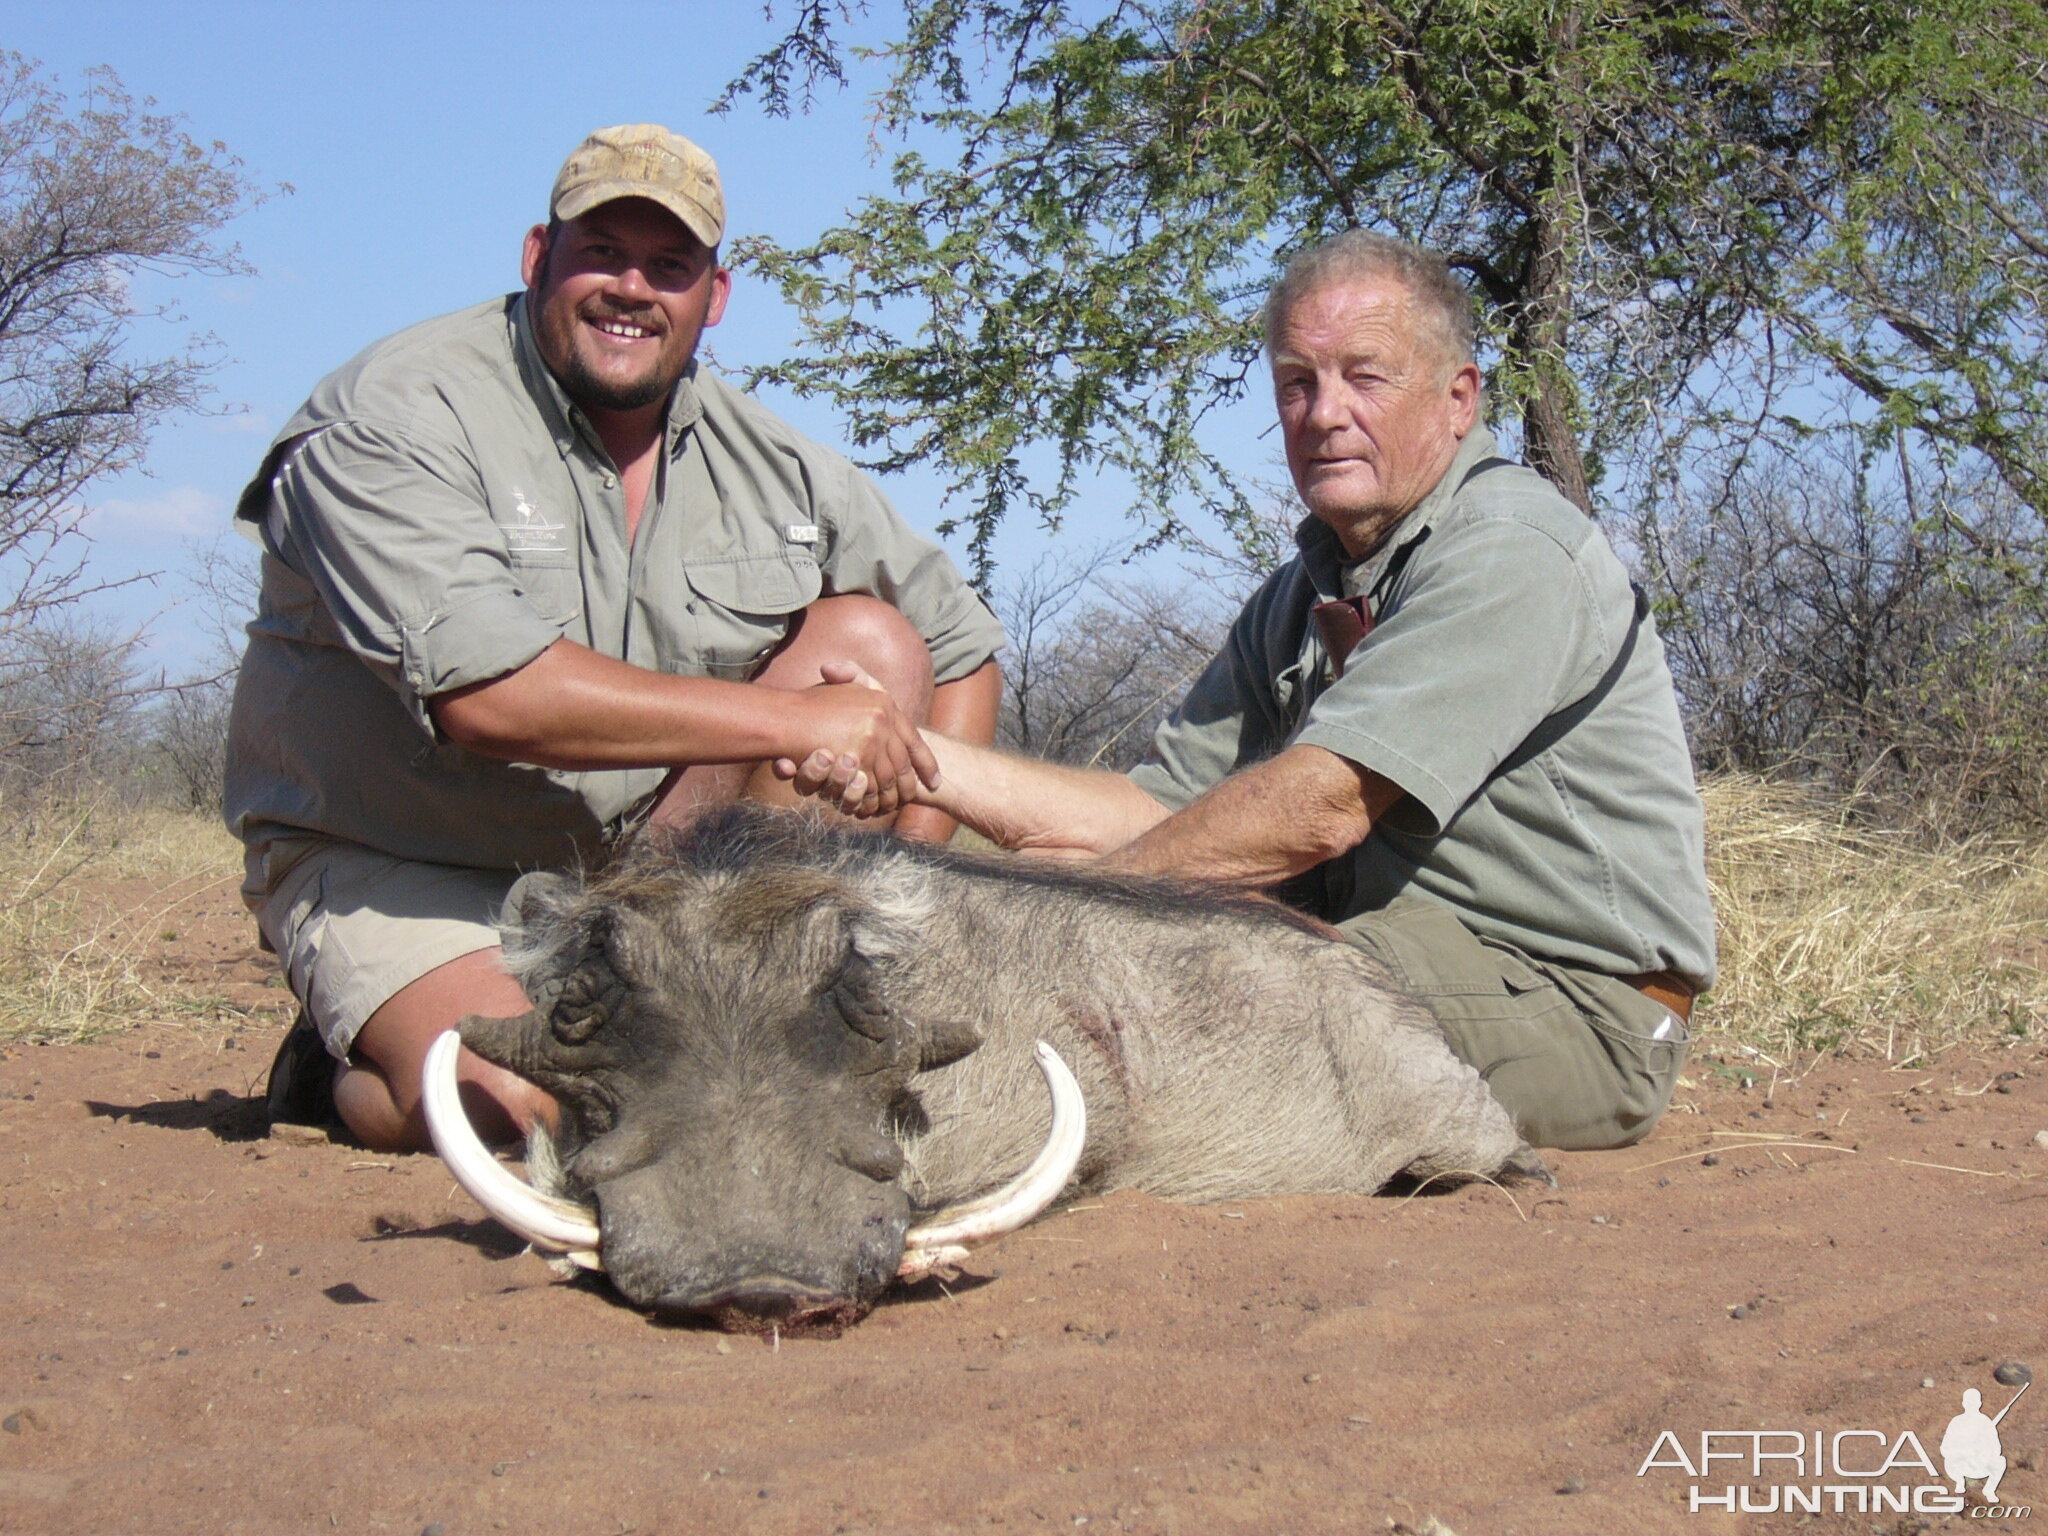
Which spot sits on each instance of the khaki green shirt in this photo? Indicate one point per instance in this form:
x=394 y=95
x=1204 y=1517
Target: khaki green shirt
x=1549 y=804
x=438 y=513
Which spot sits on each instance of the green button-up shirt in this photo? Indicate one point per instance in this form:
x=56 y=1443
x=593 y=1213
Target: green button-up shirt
x=438 y=513
x=1549 y=803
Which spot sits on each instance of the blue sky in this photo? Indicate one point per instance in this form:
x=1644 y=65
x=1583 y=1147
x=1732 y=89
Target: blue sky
x=421 y=140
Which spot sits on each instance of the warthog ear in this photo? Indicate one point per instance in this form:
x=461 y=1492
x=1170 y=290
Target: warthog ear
x=540 y=932
x=537 y=896
x=942 y=1042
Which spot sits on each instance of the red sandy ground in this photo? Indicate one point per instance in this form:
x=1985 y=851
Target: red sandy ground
x=206 y=1329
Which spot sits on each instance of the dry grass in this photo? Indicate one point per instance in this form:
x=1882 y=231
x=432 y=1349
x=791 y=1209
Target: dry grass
x=86 y=890
x=1840 y=937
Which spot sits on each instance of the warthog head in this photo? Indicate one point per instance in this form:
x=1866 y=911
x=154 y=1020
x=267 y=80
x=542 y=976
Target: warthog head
x=719 y=1036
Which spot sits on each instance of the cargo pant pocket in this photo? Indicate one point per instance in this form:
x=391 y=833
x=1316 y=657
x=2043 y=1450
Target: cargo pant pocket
x=1644 y=1042
x=1571 y=1070
x=293 y=919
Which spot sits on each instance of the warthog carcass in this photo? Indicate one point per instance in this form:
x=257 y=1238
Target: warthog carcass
x=777 y=1046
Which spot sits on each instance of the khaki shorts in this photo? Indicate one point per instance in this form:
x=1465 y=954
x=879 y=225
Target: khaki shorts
x=1580 y=1060
x=352 y=926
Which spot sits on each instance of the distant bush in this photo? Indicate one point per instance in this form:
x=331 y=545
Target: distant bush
x=69 y=703
x=1095 y=663
x=1836 y=630
x=185 y=742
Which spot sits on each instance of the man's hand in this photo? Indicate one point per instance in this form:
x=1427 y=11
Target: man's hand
x=874 y=760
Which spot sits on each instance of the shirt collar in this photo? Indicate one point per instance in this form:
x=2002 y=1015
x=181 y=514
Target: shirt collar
x=565 y=421
x=1323 y=555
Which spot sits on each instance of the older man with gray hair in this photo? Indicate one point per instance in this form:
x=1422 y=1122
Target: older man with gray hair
x=1446 y=727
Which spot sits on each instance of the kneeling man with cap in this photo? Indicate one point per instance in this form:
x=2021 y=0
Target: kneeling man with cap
x=531 y=575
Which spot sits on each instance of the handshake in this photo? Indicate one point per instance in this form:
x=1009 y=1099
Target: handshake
x=876 y=761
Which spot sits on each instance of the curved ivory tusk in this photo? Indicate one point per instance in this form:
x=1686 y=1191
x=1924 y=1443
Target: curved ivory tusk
x=944 y=1239
x=559 y=1226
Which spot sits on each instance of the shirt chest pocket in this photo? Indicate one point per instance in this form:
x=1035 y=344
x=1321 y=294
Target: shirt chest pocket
x=552 y=581
x=743 y=607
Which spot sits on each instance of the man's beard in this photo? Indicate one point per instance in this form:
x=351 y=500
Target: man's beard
x=585 y=387
x=594 y=393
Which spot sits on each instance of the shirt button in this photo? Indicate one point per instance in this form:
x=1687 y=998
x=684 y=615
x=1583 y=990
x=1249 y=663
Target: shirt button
x=610 y=481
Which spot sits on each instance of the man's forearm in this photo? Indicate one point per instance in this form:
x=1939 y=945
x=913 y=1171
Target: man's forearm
x=574 y=708
x=1268 y=822
x=966 y=710
x=1038 y=807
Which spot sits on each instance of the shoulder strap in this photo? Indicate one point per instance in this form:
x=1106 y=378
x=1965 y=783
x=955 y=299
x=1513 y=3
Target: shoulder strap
x=1554 y=727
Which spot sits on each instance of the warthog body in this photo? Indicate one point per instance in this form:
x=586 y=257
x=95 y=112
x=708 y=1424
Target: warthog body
x=773 y=1042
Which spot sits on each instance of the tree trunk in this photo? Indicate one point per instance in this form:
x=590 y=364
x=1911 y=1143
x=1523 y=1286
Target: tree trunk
x=1549 y=413
x=1538 y=336
x=1553 y=446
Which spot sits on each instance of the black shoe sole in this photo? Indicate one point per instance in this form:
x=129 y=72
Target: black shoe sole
x=301 y=1088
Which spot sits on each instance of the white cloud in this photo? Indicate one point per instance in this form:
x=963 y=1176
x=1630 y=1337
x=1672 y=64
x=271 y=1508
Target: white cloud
x=181 y=513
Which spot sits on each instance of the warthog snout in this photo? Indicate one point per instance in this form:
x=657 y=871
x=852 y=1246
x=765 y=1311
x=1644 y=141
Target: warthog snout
x=765 y=1301
x=752 y=1235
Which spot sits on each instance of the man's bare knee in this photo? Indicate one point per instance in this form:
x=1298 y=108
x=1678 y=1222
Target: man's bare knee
x=854 y=628
x=378 y=1093
x=867 y=632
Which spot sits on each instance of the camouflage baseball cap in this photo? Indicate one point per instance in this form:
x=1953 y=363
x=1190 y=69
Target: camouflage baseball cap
x=643 y=160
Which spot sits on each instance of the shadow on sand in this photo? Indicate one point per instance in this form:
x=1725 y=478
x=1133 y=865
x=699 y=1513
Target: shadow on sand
x=228 y=1116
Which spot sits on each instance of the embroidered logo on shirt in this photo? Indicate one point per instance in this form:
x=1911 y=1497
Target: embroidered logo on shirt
x=529 y=528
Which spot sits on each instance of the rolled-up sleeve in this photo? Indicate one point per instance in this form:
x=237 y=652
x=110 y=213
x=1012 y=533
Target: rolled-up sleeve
x=396 y=536
x=1234 y=714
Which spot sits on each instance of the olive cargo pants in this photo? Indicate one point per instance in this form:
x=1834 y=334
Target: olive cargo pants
x=1578 y=1059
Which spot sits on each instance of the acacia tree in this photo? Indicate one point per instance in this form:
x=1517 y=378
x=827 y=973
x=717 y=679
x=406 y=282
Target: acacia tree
x=93 y=195
x=1929 y=292
x=1671 y=212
